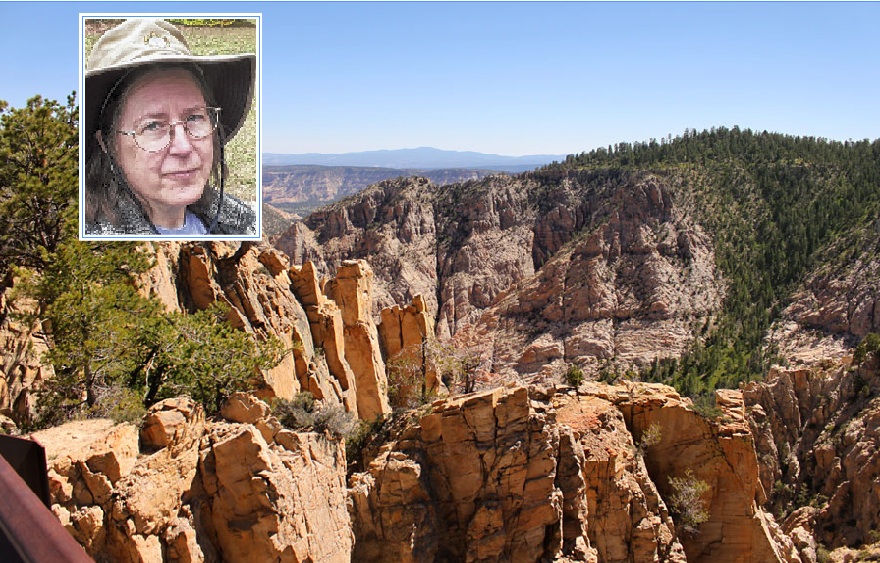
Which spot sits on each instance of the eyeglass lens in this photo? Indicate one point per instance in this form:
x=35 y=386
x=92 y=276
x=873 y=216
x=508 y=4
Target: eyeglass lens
x=155 y=134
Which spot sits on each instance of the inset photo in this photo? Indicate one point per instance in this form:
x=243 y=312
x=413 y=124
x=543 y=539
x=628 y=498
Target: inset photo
x=170 y=127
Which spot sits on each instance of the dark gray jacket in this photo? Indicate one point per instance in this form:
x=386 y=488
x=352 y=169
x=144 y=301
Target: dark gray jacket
x=235 y=217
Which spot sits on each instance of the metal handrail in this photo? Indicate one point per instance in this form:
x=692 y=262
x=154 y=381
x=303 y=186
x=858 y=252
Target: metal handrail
x=33 y=531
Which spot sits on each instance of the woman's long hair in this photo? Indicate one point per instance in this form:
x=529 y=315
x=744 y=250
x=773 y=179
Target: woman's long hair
x=105 y=182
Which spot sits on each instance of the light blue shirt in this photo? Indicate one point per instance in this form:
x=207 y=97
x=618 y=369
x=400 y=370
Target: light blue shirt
x=192 y=225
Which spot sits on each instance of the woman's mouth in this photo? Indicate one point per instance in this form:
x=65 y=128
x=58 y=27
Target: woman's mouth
x=182 y=175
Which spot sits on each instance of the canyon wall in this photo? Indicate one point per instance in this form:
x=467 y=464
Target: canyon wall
x=536 y=273
x=508 y=474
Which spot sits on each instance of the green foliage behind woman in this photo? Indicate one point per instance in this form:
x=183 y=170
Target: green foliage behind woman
x=112 y=349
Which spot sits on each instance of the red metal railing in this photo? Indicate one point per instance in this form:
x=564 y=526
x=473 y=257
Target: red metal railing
x=33 y=533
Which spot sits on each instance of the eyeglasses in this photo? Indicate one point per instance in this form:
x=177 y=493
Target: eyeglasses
x=153 y=135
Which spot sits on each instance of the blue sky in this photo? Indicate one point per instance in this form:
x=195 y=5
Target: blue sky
x=514 y=78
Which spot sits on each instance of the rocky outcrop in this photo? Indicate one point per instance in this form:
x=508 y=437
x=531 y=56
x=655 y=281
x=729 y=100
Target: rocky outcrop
x=391 y=222
x=352 y=291
x=817 y=432
x=625 y=516
x=405 y=327
x=601 y=269
x=505 y=475
x=403 y=332
x=252 y=280
x=458 y=486
x=327 y=331
x=719 y=453
x=272 y=494
x=22 y=344
x=628 y=292
x=333 y=344
x=183 y=489
x=508 y=474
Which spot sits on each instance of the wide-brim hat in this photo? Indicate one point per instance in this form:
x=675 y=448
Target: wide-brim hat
x=138 y=42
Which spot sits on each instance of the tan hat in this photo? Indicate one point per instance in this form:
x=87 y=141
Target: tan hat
x=138 y=42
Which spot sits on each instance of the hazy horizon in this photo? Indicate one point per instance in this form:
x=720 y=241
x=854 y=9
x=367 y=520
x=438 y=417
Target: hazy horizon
x=514 y=78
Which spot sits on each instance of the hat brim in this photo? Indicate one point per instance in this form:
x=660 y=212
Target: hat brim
x=231 y=79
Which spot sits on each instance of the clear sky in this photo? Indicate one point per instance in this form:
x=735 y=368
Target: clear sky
x=514 y=78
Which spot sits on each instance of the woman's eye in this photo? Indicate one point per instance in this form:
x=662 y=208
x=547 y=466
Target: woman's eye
x=152 y=126
x=197 y=118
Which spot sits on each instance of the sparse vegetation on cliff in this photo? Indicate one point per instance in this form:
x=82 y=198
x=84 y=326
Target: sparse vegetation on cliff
x=303 y=413
x=686 y=501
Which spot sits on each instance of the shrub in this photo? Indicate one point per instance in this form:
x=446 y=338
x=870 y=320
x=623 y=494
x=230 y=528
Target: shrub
x=297 y=413
x=304 y=413
x=651 y=436
x=574 y=375
x=686 y=501
x=336 y=421
x=367 y=431
x=870 y=343
x=704 y=405
x=120 y=404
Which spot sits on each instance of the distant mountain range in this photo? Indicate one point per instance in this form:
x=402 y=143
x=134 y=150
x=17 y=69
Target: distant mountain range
x=301 y=188
x=424 y=158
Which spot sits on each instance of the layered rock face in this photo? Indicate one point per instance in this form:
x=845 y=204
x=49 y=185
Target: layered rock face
x=817 y=433
x=21 y=347
x=837 y=305
x=252 y=279
x=335 y=352
x=580 y=268
x=508 y=476
x=392 y=222
x=629 y=290
x=239 y=489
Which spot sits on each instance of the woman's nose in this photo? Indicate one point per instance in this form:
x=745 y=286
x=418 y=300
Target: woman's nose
x=180 y=141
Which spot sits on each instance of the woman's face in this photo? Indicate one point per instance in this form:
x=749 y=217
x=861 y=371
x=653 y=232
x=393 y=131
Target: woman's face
x=174 y=177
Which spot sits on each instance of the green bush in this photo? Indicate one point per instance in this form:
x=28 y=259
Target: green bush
x=120 y=404
x=869 y=344
x=297 y=413
x=651 y=436
x=574 y=375
x=704 y=405
x=366 y=432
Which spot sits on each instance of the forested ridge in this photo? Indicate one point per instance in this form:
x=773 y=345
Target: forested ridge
x=777 y=206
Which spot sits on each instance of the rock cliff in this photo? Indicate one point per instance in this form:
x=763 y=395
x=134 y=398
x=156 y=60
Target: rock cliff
x=838 y=303
x=582 y=268
x=514 y=475
x=335 y=352
x=817 y=434
x=508 y=474
x=241 y=488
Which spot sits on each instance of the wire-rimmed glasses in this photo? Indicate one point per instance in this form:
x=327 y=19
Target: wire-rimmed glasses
x=153 y=135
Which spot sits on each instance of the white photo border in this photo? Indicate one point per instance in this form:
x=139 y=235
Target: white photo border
x=257 y=102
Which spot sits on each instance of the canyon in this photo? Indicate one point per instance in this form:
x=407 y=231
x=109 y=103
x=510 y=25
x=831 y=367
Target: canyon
x=521 y=279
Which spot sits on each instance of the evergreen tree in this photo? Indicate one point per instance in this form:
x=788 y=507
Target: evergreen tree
x=109 y=344
x=38 y=179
